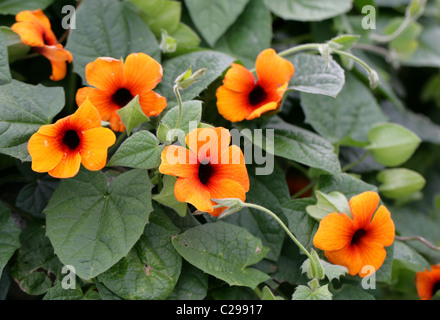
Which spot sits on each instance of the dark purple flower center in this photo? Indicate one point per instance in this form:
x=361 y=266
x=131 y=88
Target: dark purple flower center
x=71 y=139
x=357 y=236
x=205 y=172
x=122 y=97
x=257 y=95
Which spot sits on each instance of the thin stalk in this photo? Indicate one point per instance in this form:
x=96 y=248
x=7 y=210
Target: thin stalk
x=273 y=215
x=179 y=100
x=355 y=163
x=418 y=238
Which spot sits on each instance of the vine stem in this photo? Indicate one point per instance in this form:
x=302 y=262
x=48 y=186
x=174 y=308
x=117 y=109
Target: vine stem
x=179 y=101
x=418 y=238
x=273 y=215
x=355 y=163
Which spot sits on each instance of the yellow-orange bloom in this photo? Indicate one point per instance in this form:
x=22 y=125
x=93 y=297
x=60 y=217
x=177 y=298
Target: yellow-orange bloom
x=242 y=97
x=116 y=83
x=209 y=169
x=60 y=148
x=34 y=29
x=359 y=242
x=428 y=282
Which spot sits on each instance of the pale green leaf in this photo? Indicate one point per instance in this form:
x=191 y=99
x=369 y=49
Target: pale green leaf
x=24 y=108
x=224 y=251
x=93 y=224
x=108 y=28
x=213 y=17
x=141 y=150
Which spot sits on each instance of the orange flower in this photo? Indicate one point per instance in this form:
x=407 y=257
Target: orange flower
x=241 y=97
x=359 y=242
x=209 y=169
x=34 y=29
x=60 y=148
x=117 y=83
x=428 y=282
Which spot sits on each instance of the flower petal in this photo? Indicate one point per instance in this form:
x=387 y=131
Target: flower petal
x=221 y=189
x=46 y=152
x=263 y=109
x=233 y=106
x=141 y=73
x=29 y=33
x=347 y=257
x=273 y=71
x=232 y=167
x=192 y=191
x=86 y=117
x=335 y=231
x=94 y=145
x=208 y=143
x=152 y=103
x=239 y=79
x=100 y=99
x=68 y=166
x=105 y=73
x=363 y=207
x=178 y=161
x=381 y=229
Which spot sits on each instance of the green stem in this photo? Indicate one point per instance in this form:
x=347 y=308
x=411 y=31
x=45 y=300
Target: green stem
x=179 y=100
x=302 y=47
x=355 y=163
x=118 y=142
x=303 y=190
x=273 y=215
x=418 y=238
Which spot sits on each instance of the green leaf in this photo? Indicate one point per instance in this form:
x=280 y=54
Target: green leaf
x=297 y=144
x=267 y=294
x=328 y=203
x=343 y=42
x=224 y=251
x=302 y=225
x=407 y=42
x=343 y=118
x=391 y=144
x=167 y=198
x=331 y=271
x=399 y=182
x=159 y=14
x=420 y=124
x=350 y=292
x=16 y=48
x=141 y=150
x=9 y=236
x=249 y=35
x=108 y=28
x=37 y=267
x=308 y=10
x=192 y=284
x=132 y=115
x=313 y=75
x=213 y=17
x=92 y=225
x=269 y=191
x=151 y=269
x=344 y=183
x=214 y=62
x=186 y=38
x=34 y=196
x=15 y=6
x=306 y=293
x=190 y=119
x=428 y=52
x=23 y=109
x=57 y=292
x=5 y=74
x=409 y=257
